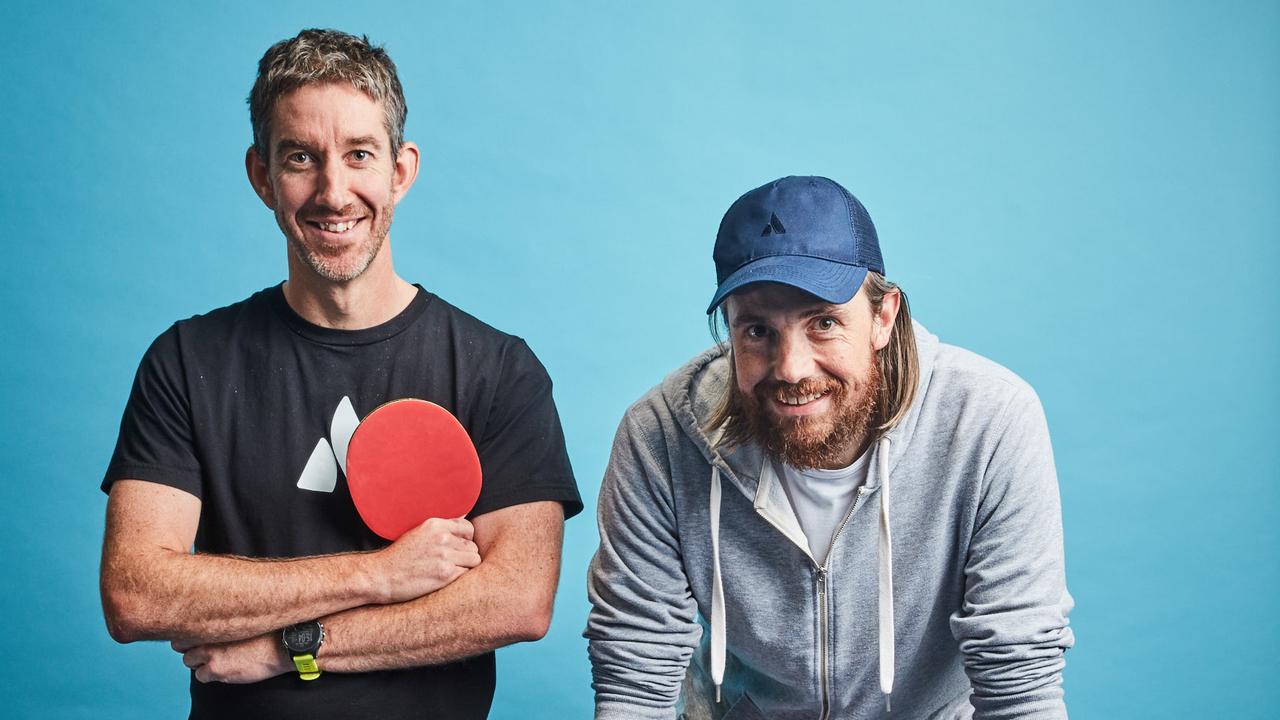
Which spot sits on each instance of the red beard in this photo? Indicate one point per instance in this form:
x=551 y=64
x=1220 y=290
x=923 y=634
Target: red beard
x=809 y=442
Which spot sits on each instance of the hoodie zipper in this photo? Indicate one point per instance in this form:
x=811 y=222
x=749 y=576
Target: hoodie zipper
x=822 y=641
x=823 y=619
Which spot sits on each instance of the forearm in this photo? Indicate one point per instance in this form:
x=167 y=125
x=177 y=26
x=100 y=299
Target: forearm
x=1022 y=699
x=640 y=640
x=506 y=599
x=476 y=614
x=637 y=680
x=154 y=589
x=172 y=595
x=457 y=621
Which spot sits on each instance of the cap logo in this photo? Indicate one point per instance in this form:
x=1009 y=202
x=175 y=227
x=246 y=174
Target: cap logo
x=774 y=227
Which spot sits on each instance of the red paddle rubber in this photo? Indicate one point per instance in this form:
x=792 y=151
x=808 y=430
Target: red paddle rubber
x=408 y=461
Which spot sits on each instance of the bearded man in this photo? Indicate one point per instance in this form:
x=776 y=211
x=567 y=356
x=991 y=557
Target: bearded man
x=833 y=514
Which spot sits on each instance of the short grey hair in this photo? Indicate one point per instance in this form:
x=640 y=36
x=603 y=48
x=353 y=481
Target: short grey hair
x=325 y=56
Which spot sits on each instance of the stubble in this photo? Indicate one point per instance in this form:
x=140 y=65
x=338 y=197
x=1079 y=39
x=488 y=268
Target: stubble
x=336 y=267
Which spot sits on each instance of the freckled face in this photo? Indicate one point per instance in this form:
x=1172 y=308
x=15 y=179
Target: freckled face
x=806 y=372
x=331 y=179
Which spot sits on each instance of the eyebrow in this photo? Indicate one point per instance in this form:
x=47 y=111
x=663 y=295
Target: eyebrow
x=288 y=143
x=747 y=318
x=751 y=318
x=823 y=309
x=364 y=140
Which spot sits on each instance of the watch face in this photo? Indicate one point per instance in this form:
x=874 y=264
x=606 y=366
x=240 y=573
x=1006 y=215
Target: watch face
x=303 y=637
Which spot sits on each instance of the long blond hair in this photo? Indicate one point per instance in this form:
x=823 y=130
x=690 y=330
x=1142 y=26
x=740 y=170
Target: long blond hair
x=899 y=369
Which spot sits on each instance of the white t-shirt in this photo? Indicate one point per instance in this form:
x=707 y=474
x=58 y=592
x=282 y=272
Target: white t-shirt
x=821 y=499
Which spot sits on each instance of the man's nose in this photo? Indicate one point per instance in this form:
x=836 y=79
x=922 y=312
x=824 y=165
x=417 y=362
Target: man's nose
x=793 y=359
x=334 y=187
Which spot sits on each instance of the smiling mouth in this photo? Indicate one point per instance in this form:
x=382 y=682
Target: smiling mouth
x=337 y=228
x=798 y=400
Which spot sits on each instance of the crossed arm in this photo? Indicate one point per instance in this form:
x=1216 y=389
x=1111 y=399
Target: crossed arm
x=395 y=607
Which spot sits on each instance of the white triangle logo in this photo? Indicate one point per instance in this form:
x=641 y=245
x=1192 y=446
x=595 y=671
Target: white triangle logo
x=340 y=430
x=320 y=474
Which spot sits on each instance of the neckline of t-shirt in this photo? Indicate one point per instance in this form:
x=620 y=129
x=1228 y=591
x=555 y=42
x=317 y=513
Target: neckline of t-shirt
x=825 y=475
x=363 y=336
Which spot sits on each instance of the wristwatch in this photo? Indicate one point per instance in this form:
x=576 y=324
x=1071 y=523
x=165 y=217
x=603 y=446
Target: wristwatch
x=302 y=642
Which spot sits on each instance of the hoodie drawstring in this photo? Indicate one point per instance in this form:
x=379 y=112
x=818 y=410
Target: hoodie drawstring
x=886 y=579
x=885 y=552
x=717 y=589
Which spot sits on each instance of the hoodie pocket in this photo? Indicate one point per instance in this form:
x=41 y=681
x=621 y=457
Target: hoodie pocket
x=744 y=709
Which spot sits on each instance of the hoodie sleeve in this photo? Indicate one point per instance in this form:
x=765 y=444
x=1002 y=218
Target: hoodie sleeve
x=1012 y=626
x=642 y=628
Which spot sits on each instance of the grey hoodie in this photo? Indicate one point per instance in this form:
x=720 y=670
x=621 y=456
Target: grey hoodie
x=970 y=622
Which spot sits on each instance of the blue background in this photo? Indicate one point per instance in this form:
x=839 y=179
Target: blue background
x=1085 y=192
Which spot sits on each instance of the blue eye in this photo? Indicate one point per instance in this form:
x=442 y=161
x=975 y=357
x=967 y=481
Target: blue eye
x=361 y=155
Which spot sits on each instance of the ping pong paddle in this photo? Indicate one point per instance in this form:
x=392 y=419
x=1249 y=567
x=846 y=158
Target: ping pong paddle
x=410 y=460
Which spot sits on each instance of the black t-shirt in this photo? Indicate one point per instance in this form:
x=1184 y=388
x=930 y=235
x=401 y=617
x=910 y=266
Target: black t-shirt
x=236 y=407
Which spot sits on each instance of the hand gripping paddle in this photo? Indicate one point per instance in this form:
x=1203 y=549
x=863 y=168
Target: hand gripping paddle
x=408 y=461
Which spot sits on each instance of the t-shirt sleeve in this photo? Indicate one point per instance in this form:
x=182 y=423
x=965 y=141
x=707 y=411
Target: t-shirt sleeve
x=155 y=442
x=522 y=452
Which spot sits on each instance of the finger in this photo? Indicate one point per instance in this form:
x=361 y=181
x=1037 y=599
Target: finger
x=184 y=645
x=195 y=657
x=462 y=527
x=466 y=559
x=203 y=674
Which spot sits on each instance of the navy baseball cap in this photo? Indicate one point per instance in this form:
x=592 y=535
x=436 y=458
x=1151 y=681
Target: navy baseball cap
x=807 y=232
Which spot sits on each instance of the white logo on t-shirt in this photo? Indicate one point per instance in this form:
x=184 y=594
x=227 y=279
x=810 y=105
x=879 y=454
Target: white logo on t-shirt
x=320 y=474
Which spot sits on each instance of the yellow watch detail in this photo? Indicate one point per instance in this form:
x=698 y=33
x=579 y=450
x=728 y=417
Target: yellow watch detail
x=307 y=667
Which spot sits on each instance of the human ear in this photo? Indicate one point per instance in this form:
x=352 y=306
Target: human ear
x=259 y=177
x=406 y=170
x=882 y=320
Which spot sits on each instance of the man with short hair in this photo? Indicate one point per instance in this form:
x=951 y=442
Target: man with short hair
x=234 y=442
x=833 y=514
